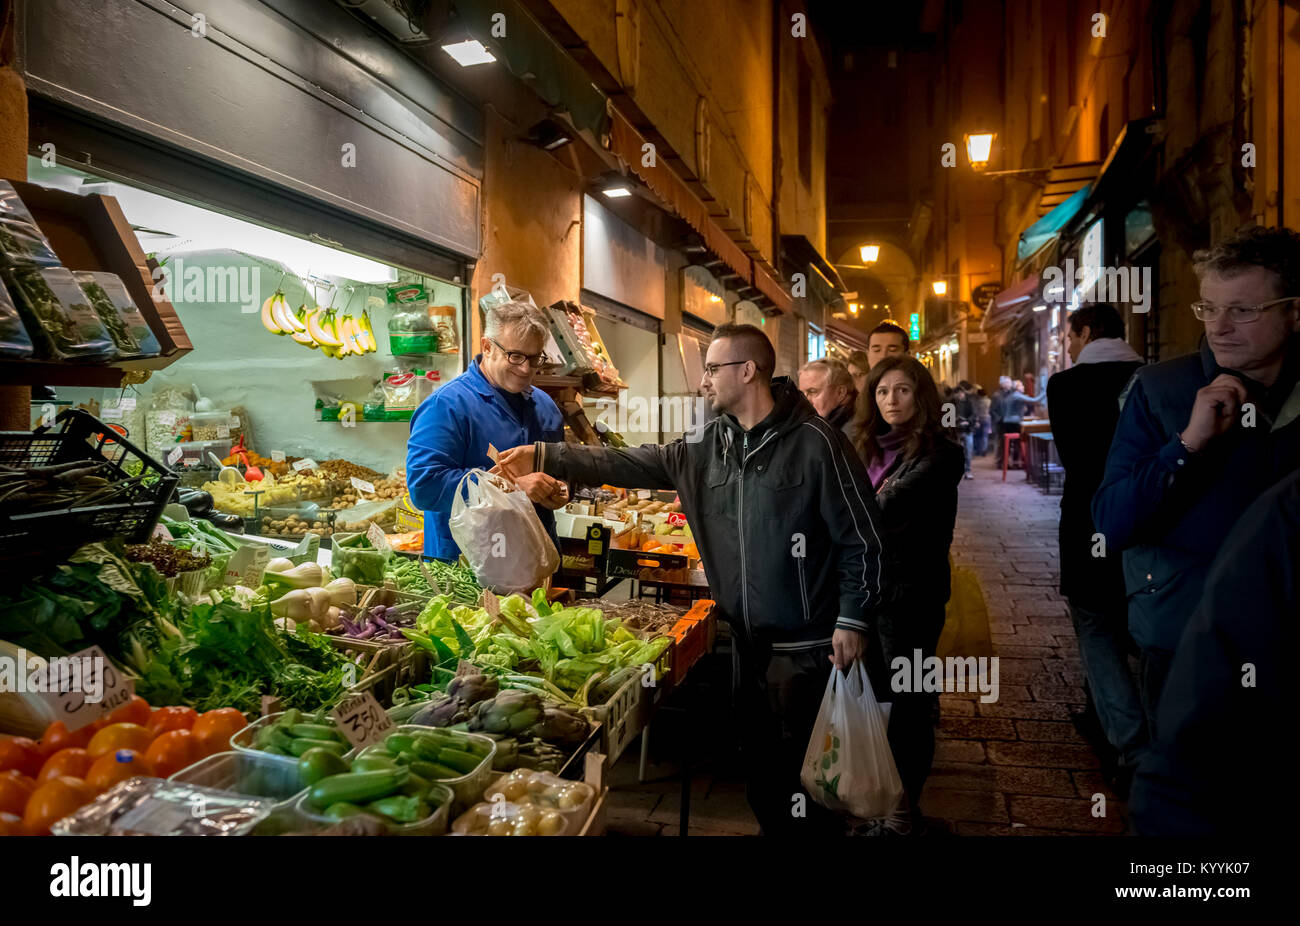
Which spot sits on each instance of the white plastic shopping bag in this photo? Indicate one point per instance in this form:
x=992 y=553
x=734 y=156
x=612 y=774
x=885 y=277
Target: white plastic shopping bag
x=849 y=766
x=497 y=528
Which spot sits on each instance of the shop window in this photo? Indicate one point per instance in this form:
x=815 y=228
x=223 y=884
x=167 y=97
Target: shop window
x=816 y=342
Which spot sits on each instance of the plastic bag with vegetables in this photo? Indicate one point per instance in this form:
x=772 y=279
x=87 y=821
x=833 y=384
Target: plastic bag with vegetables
x=117 y=310
x=14 y=340
x=22 y=243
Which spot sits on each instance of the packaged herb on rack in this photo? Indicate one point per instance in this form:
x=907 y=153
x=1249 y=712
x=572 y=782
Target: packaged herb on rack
x=410 y=329
x=58 y=314
x=22 y=243
x=14 y=340
x=117 y=310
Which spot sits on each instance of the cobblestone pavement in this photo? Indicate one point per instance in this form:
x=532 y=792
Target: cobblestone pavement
x=1017 y=766
x=1012 y=767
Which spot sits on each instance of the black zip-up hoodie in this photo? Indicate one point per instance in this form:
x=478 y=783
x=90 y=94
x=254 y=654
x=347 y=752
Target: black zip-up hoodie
x=783 y=515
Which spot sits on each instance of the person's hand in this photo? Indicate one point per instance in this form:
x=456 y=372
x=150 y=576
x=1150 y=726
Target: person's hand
x=544 y=490
x=849 y=646
x=1215 y=410
x=517 y=461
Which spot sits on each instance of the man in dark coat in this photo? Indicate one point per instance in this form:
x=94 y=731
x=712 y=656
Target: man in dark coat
x=1084 y=405
x=1220 y=755
x=1201 y=437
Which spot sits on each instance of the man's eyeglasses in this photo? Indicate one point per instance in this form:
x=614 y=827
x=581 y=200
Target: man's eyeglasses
x=1237 y=314
x=711 y=369
x=518 y=358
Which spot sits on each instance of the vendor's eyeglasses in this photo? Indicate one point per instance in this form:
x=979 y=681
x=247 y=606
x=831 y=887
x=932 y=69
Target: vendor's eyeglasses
x=711 y=369
x=1237 y=314
x=519 y=358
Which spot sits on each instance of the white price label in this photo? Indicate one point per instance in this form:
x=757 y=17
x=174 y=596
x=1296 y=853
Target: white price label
x=247 y=565
x=375 y=534
x=173 y=455
x=167 y=419
x=301 y=465
x=83 y=687
x=643 y=493
x=277 y=456
x=111 y=414
x=362 y=720
x=222 y=432
x=362 y=486
x=126 y=403
x=232 y=421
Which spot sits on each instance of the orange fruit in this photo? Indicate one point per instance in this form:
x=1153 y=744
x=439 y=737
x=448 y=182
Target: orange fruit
x=15 y=789
x=11 y=825
x=173 y=751
x=136 y=711
x=21 y=753
x=73 y=762
x=53 y=801
x=117 y=736
x=214 y=729
x=57 y=736
x=117 y=766
x=165 y=719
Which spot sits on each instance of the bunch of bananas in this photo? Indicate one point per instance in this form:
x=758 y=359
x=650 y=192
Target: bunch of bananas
x=316 y=327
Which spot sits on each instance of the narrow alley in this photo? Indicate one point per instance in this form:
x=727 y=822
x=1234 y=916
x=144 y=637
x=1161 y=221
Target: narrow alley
x=1015 y=766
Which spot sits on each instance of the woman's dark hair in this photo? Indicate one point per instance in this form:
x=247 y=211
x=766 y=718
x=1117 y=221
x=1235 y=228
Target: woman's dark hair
x=1101 y=320
x=926 y=426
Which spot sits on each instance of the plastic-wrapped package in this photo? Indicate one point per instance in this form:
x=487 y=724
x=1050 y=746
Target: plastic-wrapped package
x=58 y=315
x=14 y=340
x=155 y=807
x=22 y=243
x=121 y=316
x=410 y=329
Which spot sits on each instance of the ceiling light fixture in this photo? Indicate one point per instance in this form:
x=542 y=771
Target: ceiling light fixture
x=469 y=53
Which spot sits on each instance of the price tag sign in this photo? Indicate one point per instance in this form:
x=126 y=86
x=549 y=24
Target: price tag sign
x=277 y=456
x=643 y=494
x=301 y=465
x=491 y=604
x=173 y=455
x=362 y=720
x=247 y=565
x=222 y=432
x=362 y=486
x=167 y=419
x=83 y=687
x=375 y=534
x=126 y=403
x=428 y=577
x=113 y=413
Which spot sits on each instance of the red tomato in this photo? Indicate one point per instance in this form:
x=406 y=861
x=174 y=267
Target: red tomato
x=214 y=729
x=57 y=736
x=173 y=751
x=21 y=753
x=73 y=762
x=135 y=711
x=166 y=719
x=15 y=789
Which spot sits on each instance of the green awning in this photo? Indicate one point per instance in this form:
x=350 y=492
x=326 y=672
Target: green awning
x=1045 y=230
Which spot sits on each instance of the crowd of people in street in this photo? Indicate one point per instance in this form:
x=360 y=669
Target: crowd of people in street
x=823 y=508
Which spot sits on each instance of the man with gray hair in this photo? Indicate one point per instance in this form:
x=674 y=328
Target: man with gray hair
x=493 y=402
x=828 y=385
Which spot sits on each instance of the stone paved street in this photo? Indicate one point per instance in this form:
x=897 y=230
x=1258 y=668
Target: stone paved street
x=1012 y=767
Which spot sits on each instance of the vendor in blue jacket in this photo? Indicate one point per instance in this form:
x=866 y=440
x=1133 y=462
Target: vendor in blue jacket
x=493 y=402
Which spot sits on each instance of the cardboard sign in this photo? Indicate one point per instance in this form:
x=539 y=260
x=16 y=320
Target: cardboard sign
x=362 y=720
x=375 y=534
x=247 y=565
x=301 y=465
x=491 y=603
x=362 y=486
x=84 y=687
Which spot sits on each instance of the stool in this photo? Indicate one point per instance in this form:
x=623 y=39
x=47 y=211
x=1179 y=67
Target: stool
x=1006 y=451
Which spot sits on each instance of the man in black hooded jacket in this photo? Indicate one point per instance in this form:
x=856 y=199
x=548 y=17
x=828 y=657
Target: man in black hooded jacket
x=786 y=524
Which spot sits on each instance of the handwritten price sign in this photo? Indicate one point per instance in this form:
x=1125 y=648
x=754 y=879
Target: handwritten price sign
x=362 y=720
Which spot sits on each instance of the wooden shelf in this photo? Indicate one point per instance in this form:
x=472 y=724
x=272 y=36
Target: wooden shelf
x=91 y=233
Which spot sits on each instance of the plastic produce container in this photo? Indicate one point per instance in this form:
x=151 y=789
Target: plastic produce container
x=537 y=784
x=258 y=774
x=468 y=788
x=242 y=741
x=433 y=825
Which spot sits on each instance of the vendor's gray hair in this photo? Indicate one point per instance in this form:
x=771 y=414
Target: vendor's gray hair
x=837 y=373
x=519 y=317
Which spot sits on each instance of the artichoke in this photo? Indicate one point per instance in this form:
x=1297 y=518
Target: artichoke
x=559 y=726
x=511 y=712
x=472 y=689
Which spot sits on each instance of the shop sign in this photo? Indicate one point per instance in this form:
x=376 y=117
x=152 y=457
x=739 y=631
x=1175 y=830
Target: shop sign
x=977 y=337
x=981 y=295
x=914 y=326
x=80 y=688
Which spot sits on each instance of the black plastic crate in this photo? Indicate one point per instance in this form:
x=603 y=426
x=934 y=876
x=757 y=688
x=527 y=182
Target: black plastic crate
x=131 y=514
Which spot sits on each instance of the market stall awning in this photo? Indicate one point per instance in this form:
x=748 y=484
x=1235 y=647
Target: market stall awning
x=1046 y=230
x=801 y=250
x=626 y=142
x=847 y=334
x=1009 y=304
x=1120 y=176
